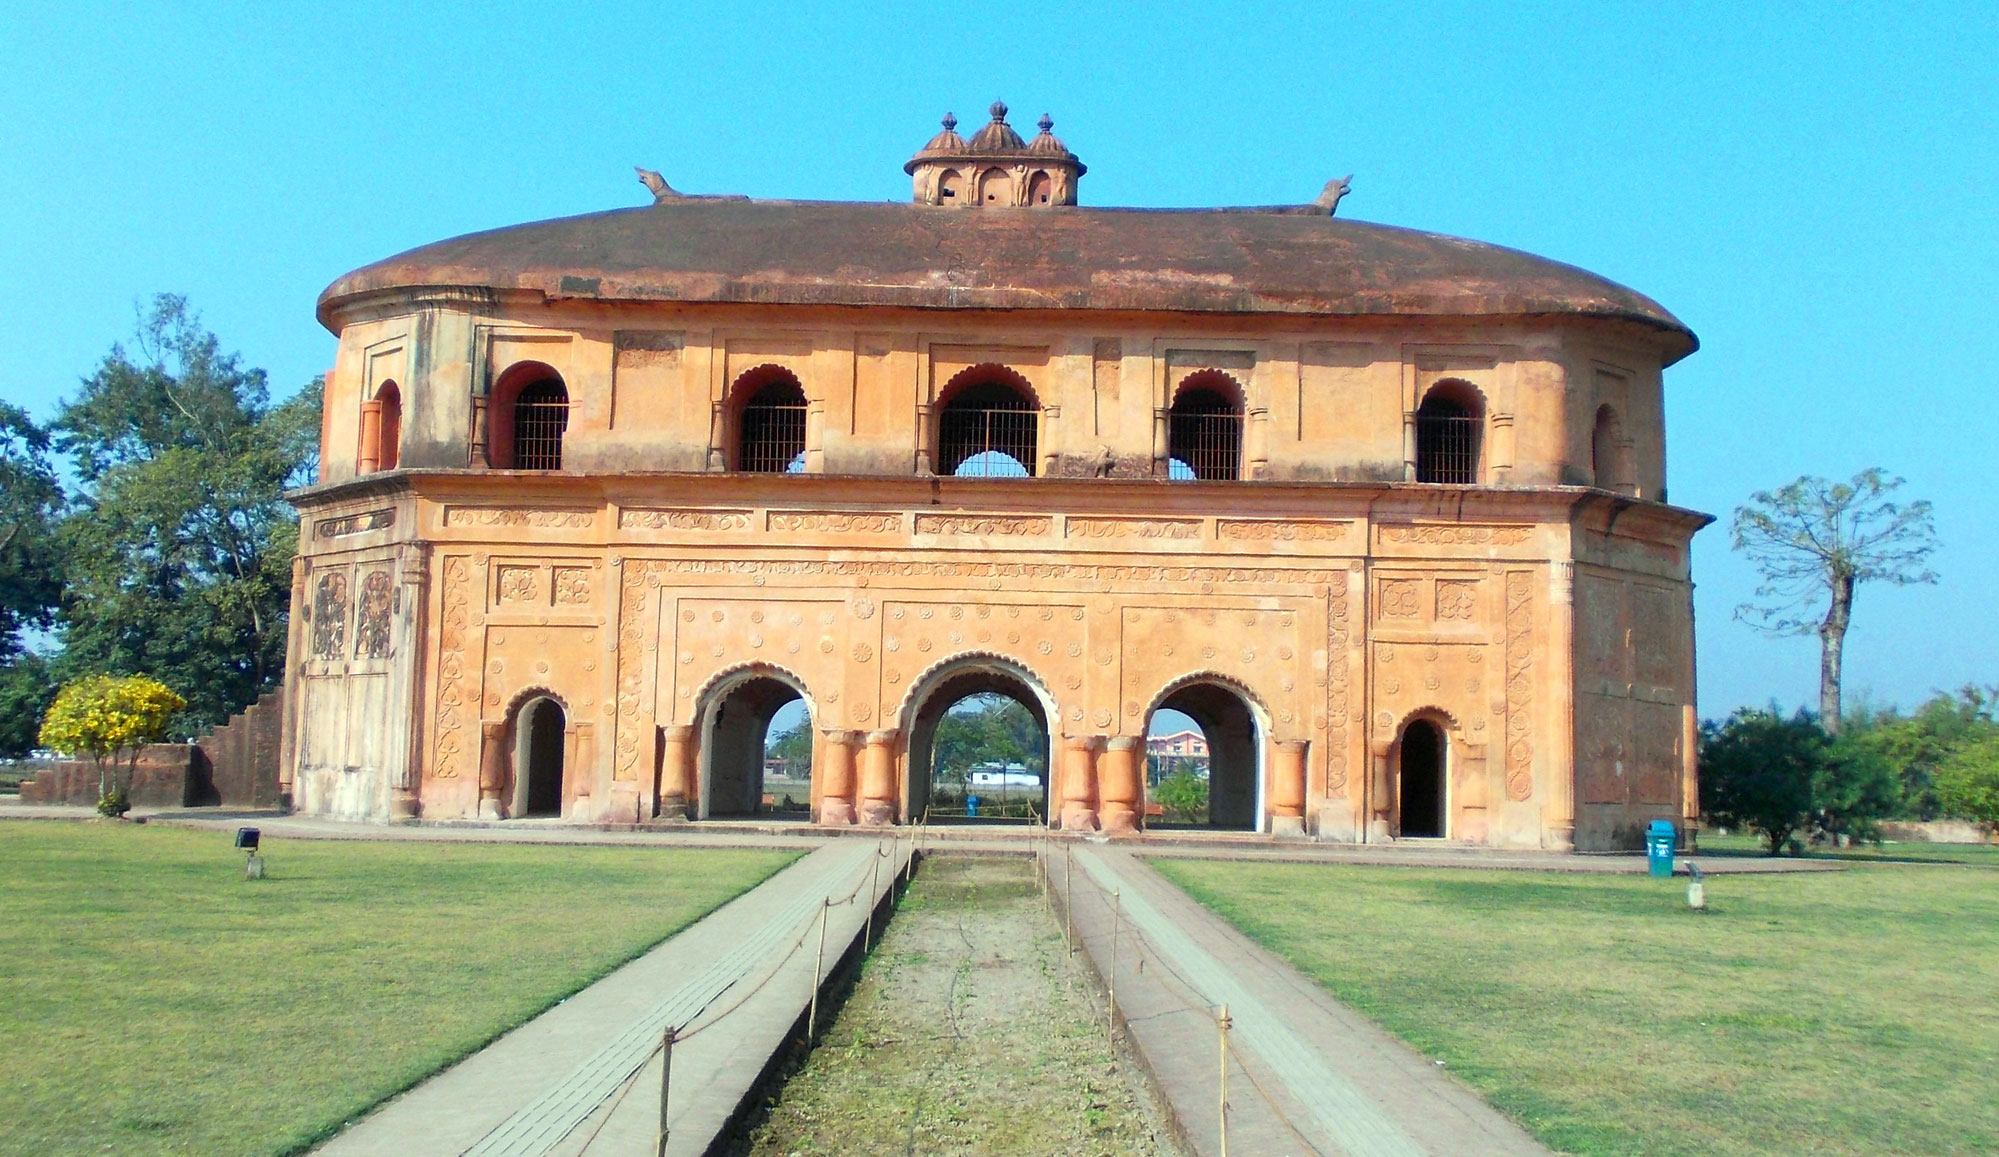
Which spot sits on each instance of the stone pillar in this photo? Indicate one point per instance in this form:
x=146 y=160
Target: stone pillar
x=371 y=438
x=492 y=770
x=676 y=772
x=1558 y=814
x=475 y=451
x=924 y=431
x=1690 y=780
x=1379 y=800
x=1079 y=783
x=878 y=779
x=1287 y=787
x=1122 y=785
x=836 y=795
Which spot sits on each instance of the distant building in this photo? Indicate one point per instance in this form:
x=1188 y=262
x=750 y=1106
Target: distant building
x=1180 y=743
x=1383 y=512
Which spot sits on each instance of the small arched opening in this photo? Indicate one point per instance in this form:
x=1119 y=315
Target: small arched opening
x=770 y=423
x=540 y=747
x=1204 y=432
x=526 y=419
x=1203 y=759
x=979 y=748
x=1040 y=188
x=994 y=187
x=388 y=427
x=989 y=427
x=1419 y=780
x=756 y=758
x=950 y=186
x=1448 y=428
x=1607 y=460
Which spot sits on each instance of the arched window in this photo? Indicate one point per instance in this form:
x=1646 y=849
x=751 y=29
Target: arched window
x=1204 y=434
x=1040 y=188
x=949 y=186
x=526 y=416
x=1448 y=425
x=770 y=428
x=1606 y=451
x=989 y=427
x=389 y=438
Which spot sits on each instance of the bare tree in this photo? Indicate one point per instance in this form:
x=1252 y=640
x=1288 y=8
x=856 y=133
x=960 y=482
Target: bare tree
x=1815 y=542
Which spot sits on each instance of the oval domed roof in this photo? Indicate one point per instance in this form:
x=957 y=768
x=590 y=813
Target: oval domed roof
x=1294 y=261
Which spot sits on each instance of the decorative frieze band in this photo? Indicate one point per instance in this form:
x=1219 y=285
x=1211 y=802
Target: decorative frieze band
x=558 y=518
x=1178 y=528
x=979 y=524
x=835 y=521
x=355 y=523
x=647 y=518
x=1276 y=530
x=1457 y=535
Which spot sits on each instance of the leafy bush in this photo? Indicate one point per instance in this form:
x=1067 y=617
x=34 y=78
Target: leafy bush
x=1779 y=777
x=1917 y=745
x=1967 y=782
x=1183 y=796
x=103 y=715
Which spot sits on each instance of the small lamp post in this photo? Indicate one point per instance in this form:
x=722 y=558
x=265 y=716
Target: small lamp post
x=1696 y=887
x=247 y=840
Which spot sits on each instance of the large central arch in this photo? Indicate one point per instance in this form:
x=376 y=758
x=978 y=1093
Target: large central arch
x=736 y=712
x=951 y=682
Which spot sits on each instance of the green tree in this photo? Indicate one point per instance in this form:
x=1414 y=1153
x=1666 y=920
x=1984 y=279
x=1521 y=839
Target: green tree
x=179 y=547
x=1916 y=745
x=102 y=715
x=1815 y=542
x=31 y=501
x=1781 y=777
x=794 y=746
x=1967 y=782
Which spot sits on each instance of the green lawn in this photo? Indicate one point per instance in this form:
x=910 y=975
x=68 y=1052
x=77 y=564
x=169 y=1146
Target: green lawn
x=156 y=1002
x=1977 y=855
x=1850 y=1012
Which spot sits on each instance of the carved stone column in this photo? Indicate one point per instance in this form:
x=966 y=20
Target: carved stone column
x=492 y=770
x=1473 y=789
x=676 y=771
x=836 y=795
x=1079 y=783
x=924 y=433
x=581 y=770
x=1287 y=787
x=371 y=437
x=1121 y=785
x=1380 y=800
x=1558 y=815
x=878 y=779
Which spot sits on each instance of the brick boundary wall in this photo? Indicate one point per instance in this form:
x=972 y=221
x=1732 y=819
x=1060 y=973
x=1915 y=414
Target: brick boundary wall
x=235 y=765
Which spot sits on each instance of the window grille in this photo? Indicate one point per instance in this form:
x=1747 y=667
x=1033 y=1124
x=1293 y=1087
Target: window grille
x=988 y=431
x=541 y=414
x=1446 y=443
x=772 y=430
x=1205 y=435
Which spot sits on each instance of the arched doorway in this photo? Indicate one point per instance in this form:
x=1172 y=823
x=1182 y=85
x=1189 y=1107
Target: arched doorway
x=1420 y=781
x=1219 y=775
x=979 y=748
x=539 y=746
x=756 y=758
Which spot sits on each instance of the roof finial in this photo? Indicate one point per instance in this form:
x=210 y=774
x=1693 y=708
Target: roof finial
x=950 y=121
x=999 y=111
x=1046 y=122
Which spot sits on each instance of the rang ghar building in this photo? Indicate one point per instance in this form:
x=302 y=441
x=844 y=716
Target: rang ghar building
x=1383 y=512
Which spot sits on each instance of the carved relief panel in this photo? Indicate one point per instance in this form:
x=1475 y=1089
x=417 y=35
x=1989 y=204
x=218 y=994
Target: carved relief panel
x=1262 y=649
x=1050 y=640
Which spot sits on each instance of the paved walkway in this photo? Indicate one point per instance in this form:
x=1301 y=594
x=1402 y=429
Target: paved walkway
x=584 y=1076
x=1306 y=1074
x=1019 y=838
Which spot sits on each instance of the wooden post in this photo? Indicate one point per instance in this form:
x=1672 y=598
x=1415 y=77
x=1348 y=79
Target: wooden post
x=1117 y=923
x=1222 y=1027
x=1069 y=898
x=665 y=1084
x=818 y=967
x=868 y=925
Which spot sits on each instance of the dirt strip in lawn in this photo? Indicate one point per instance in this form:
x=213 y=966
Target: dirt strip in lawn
x=968 y=1032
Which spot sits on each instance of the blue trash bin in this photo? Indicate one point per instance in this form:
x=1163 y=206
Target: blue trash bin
x=1659 y=839
x=972 y=803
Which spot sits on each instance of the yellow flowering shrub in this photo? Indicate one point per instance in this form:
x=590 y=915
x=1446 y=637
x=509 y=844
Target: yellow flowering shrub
x=101 y=715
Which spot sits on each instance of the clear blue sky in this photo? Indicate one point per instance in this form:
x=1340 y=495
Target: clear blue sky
x=1813 y=191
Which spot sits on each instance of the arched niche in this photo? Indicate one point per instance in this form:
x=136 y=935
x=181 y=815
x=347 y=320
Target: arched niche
x=1204 y=428
x=1450 y=434
x=769 y=414
x=1422 y=778
x=540 y=755
x=527 y=418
